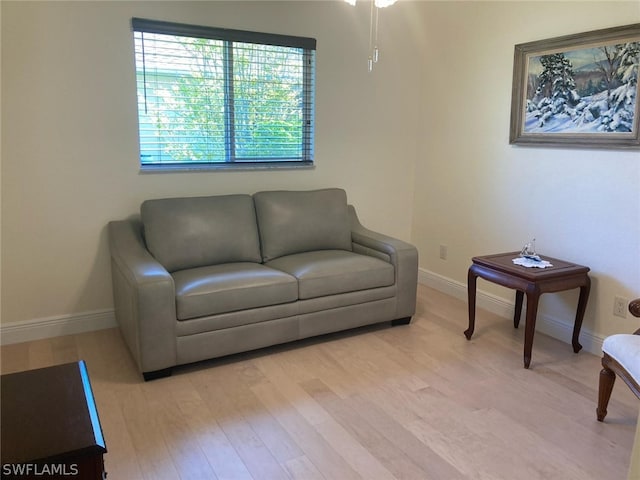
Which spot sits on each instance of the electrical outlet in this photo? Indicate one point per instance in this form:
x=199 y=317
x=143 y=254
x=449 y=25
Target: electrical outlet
x=443 y=252
x=620 y=307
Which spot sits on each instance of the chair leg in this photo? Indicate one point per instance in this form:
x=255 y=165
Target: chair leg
x=607 y=379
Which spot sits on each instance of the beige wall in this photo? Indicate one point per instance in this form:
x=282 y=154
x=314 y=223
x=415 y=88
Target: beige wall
x=420 y=145
x=477 y=194
x=70 y=135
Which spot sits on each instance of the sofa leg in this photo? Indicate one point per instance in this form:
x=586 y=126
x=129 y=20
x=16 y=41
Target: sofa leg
x=401 y=321
x=154 y=375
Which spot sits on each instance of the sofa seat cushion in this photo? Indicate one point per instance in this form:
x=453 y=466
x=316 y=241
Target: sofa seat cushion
x=330 y=272
x=230 y=287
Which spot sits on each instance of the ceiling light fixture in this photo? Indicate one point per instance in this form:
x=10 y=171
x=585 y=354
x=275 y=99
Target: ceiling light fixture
x=373 y=27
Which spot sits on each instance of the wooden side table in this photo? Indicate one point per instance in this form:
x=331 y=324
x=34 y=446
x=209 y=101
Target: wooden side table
x=50 y=425
x=533 y=282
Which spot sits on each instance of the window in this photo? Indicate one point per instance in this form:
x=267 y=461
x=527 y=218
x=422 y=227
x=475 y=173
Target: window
x=212 y=97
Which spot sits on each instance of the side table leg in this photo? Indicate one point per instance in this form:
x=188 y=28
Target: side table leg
x=471 y=292
x=582 y=307
x=533 y=295
x=518 y=309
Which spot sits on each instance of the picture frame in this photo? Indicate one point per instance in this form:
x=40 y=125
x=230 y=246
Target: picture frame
x=578 y=91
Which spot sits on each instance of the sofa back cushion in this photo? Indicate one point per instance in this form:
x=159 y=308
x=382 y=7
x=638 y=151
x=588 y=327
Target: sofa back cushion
x=199 y=231
x=302 y=221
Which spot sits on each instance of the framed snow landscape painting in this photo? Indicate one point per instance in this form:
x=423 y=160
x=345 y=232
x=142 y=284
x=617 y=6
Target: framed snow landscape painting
x=578 y=90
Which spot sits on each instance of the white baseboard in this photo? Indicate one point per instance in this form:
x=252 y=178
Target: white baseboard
x=18 y=332
x=554 y=327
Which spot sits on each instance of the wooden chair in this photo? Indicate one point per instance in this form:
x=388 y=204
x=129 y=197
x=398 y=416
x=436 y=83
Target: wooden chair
x=621 y=356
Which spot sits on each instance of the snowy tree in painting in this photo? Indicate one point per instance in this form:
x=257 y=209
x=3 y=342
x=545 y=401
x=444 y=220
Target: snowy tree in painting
x=599 y=96
x=556 y=94
x=621 y=100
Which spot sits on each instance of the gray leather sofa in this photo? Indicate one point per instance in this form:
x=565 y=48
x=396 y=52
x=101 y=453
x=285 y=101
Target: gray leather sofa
x=203 y=277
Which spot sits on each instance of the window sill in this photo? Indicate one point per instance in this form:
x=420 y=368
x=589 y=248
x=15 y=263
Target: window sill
x=175 y=168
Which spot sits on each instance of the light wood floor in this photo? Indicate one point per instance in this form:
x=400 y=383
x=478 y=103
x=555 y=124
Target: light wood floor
x=409 y=402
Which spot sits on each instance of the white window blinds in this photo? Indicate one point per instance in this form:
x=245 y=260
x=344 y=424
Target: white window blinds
x=211 y=96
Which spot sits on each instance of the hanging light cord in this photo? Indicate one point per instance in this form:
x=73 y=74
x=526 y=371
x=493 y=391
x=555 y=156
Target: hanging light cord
x=373 y=27
x=375 y=44
x=371 y=38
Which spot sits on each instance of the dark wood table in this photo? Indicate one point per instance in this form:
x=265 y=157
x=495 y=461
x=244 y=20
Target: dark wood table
x=50 y=426
x=533 y=282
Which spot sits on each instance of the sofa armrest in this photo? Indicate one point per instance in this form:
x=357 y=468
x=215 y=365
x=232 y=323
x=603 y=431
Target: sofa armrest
x=402 y=255
x=144 y=298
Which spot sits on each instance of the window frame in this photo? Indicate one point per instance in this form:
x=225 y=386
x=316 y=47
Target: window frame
x=228 y=36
